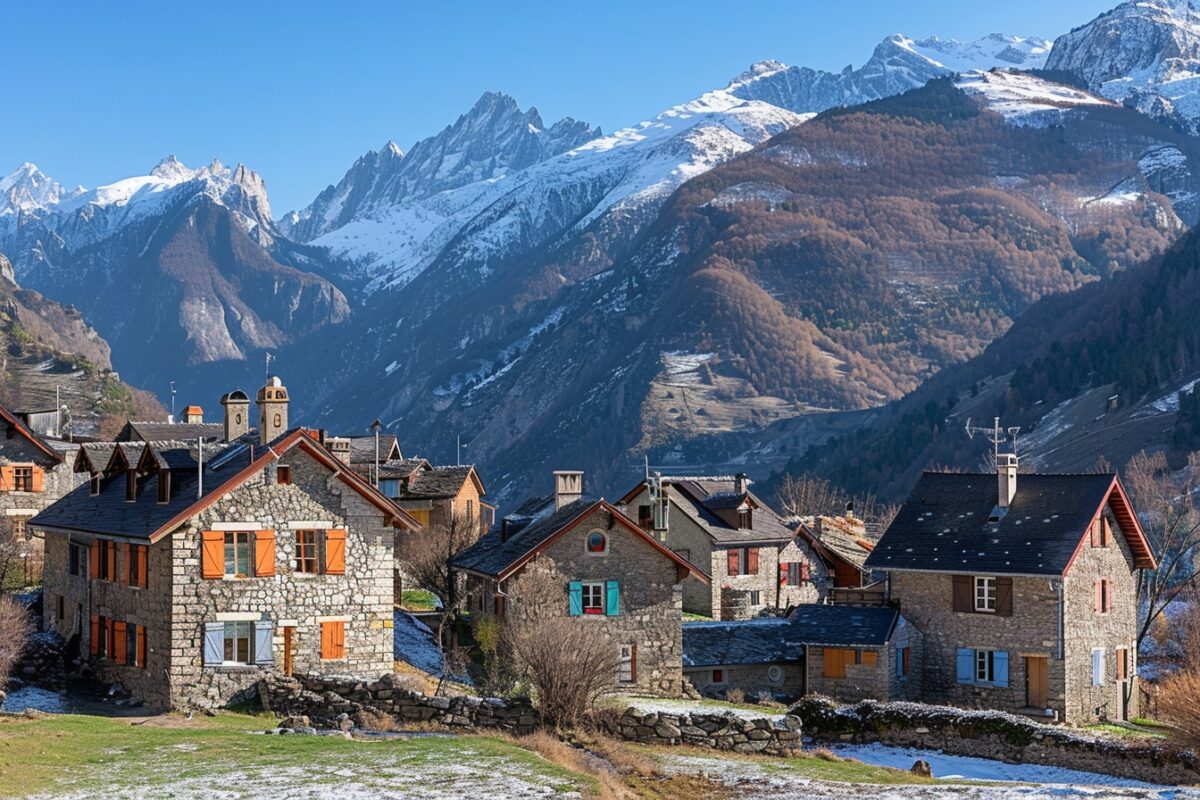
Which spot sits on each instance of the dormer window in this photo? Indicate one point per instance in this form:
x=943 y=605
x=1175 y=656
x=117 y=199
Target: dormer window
x=95 y=483
x=745 y=518
x=164 y=485
x=597 y=543
x=130 y=485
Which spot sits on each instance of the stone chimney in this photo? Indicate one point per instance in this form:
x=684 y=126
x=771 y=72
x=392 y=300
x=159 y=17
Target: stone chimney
x=1006 y=473
x=272 y=411
x=340 y=447
x=193 y=415
x=741 y=483
x=237 y=414
x=568 y=487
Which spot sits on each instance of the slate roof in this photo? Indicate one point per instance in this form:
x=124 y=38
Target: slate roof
x=24 y=430
x=943 y=525
x=170 y=431
x=438 y=482
x=491 y=555
x=362 y=448
x=692 y=495
x=770 y=640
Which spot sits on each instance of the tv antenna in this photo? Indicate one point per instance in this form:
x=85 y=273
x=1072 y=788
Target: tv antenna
x=995 y=434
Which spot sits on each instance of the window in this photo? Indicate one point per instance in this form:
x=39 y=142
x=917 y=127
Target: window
x=756 y=598
x=1103 y=596
x=74 y=559
x=333 y=640
x=283 y=474
x=59 y=609
x=797 y=573
x=985 y=594
x=19 y=528
x=718 y=676
x=745 y=519
x=22 y=479
x=307 y=559
x=131 y=644
x=164 y=485
x=982 y=667
x=902 y=663
x=593 y=598
x=645 y=517
x=628 y=669
x=106 y=560
x=238 y=636
x=742 y=561
x=390 y=487
x=597 y=543
x=1098 y=667
x=136 y=568
x=237 y=553
x=94 y=484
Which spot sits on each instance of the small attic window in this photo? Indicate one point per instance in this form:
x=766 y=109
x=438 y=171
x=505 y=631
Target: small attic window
x=95 y=484
x=283 y=475
x=597 y=543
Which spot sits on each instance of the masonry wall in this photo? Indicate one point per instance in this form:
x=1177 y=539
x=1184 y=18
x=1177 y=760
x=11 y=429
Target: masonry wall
x=753 y=679
x=17 y=508
x=691 y=541
x=926 y=599
x=1087 y=629
x=810 y=591
x=362 y=598
x=861 y=681
x=651 y=598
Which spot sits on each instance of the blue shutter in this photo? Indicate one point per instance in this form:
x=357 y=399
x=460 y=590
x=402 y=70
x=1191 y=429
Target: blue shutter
x=966 y=665
x=575 y=594
x=612 y=598
x=262 y=642
x=214 y=642
x=1000 y=668
x=1097 y=668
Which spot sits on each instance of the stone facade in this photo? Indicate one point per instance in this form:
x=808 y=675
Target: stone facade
x=779 y=680
x=177 y=601
x=870 y=677
x=650 y=616
x=54 y=478
x=1062 y=633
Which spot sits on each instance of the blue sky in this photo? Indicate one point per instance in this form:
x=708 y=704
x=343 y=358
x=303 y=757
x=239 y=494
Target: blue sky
x=98 y=91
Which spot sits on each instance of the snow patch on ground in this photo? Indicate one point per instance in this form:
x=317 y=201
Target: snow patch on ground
x=683 y=368
x=1025 y=100
x=659 y=705
x=1168 y=403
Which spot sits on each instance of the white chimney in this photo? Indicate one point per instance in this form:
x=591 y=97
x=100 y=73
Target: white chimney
x=1006 y=473
x=741 y=482
x=568 y=487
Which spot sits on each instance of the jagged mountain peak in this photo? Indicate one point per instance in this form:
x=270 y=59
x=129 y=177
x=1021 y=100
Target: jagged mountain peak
x=27 y=188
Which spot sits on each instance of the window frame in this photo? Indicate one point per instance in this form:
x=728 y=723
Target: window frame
x=755 y=597
x=231 y=538
x=587 y=543
x=299 y=560
x=1099 y=668
x=22 y=477
x=235 y=626
x=985 y=666
x=717 y=677
x=600 y=589
x=283 y=474
x=75 y=559
x=985 y=590
x=627 y=665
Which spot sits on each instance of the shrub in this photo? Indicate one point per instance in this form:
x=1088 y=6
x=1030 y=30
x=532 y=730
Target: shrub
x=15 y=627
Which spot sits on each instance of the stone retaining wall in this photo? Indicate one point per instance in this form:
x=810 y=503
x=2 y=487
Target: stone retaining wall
x=716 y=731
x=995 y=735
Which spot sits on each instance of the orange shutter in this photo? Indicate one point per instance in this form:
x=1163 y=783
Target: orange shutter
x=264 y=553
x=212 y=554
x=7 y=478
x=112 y=561
x=127 y=554
x=140 y=655
x=731 y=562
x=339 y=640
x=142 y=554
x=38 y=477
x=870 y=658
x=752 y=560
x=108 y=640
x=94 y=559
x=94 y=644
x=326 y=640
x=118 y=645
x=335 y=551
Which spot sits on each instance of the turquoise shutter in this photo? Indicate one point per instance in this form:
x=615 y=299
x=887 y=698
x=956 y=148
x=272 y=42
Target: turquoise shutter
x=214 y=642
x=262 y=642
x=1000 y=668
x=575 y=593
x=966 y=665
x=612 y=598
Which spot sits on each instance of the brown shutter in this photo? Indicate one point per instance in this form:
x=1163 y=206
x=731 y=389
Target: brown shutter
x=751 y=560
x=1004 y=596
x=339 y=639
x=335 y=551
x=212 y=554
x=140 y=655
x=111 y=561
x=264 y=553
x=94 y=644
x=731 y=561
x=94 y=559
x=143 y=552
x=38 y=479
x=870 y=658
x=1096 y=590
x=963 y=588
x=118 y=644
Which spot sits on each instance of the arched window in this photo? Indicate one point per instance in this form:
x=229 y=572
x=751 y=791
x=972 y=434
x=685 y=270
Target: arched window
x=597 y=543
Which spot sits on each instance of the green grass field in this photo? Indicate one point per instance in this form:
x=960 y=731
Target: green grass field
x=417 y=600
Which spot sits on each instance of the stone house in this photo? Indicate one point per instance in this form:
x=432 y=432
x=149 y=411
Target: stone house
x=187 y=573
x=849 y=653
x=843 y=545
x=606 y=572
x=1025 y=590
x=755 y=559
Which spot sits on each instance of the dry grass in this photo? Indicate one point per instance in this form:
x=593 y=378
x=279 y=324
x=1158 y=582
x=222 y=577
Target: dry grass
x=15 y=626
x=1178 y=698
x=735 y=696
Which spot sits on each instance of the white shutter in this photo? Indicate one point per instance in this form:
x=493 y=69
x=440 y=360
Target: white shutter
x=262 y=642
x=214 y=642
x=1097 y=667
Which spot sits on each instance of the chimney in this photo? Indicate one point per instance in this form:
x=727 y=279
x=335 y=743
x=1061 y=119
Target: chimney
x=237 y=414
x=272 y=411
x=568 y=487
x=1006 y=473
x=193 y=415
x=340 y=447
x=741 y=483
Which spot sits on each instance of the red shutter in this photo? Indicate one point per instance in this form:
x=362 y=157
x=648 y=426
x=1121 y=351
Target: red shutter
x=108 y=639
x=805 y=575
x=783 y=574
x=118 y=643
x=212 y=554
x=94 y=559
x=143 y=553
x=94 y=644
x=731 y=562
x=141 y=646
x=751 y=560
x=264 y=553
x=335 y=552
x=1096 y=588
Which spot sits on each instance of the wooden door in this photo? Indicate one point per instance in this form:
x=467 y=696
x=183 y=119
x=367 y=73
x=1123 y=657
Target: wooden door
x=287 y=650
x=1035 y=681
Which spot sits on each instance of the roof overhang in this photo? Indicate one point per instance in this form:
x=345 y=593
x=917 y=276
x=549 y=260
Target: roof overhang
x=1131 y=528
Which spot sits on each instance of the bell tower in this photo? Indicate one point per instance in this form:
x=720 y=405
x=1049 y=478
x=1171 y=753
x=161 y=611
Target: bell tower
x=237 y=414
x=272 y=410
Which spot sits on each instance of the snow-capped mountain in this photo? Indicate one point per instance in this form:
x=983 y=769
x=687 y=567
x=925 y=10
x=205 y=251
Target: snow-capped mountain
x=176 y=267
x=897 y=65
x=491 y=140
x=1143 y=53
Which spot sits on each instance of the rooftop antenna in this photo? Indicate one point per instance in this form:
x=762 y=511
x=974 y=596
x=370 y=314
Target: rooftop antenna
x=200 y=467
x=172 y=401
x=995 y=434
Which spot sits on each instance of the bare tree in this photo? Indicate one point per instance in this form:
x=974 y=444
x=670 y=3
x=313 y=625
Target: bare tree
x=15 y=627
x=568 y=662
x=809 y=496
x=13 y=553
x=1179 y=693
x=1166 y=505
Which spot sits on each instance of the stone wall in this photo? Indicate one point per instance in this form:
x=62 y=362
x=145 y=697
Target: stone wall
x=811 y=591
x=716 y=731
x=862 y=680
x=995 y=735
x=753 y=679
x=692 y=542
